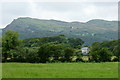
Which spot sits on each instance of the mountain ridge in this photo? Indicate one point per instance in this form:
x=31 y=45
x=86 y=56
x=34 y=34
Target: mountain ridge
x=90 y=31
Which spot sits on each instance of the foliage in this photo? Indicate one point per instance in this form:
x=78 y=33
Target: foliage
x=55 y=49
x=75 y=42
x=68 y=54
x=44 y=53
x=100 y=54
x=9 y=42
x=61 y=39
x=113 y=46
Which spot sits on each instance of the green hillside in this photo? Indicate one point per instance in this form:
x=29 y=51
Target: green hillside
x=93 y=30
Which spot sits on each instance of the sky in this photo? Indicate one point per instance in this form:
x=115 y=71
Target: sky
x=71 y=10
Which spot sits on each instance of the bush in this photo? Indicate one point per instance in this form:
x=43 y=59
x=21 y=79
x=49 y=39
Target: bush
x=101 y=55
x=68 y=53
x=116 y=59
x=79 y=60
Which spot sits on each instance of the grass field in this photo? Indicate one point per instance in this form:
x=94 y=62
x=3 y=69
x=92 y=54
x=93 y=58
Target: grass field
x=60 y=70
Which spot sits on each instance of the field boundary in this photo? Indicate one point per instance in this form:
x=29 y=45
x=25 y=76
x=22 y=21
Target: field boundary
x=60 y=79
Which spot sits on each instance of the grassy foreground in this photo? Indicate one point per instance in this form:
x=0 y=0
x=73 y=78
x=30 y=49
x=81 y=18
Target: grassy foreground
x=60 y=70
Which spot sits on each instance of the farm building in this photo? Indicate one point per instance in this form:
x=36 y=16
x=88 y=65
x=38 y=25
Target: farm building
x=85 y=51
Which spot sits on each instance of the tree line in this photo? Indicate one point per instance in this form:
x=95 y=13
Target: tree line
x=54 y=49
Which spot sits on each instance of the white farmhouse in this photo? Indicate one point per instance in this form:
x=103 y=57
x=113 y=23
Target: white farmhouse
x=85 y=51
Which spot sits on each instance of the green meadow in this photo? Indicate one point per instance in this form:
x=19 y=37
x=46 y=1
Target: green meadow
x=60 y=70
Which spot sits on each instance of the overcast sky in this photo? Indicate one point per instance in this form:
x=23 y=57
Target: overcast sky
x=65 y=11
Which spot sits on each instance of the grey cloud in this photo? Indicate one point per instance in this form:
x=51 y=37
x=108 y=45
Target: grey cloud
x=61 y=6
x=66 y=10
x=15 y=8
x=11 y=10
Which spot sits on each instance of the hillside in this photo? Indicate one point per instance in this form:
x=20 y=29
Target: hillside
x=93 y=30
